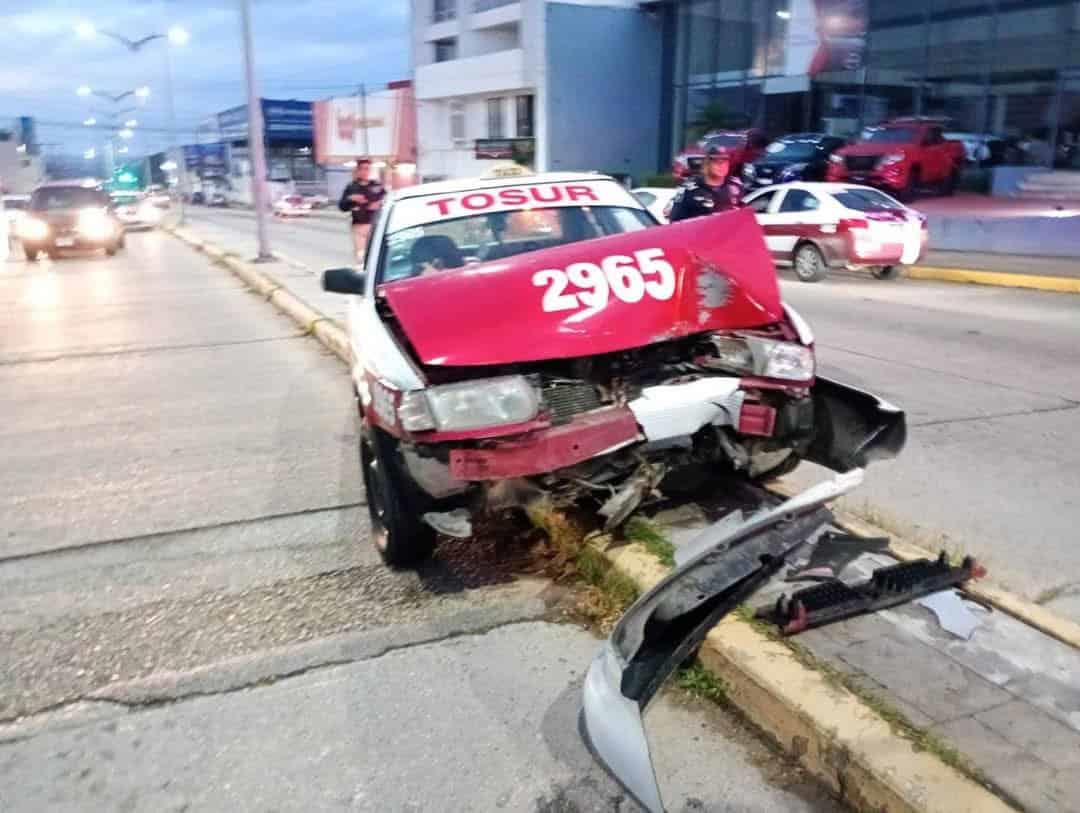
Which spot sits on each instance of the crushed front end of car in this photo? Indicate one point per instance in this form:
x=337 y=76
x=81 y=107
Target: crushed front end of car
x=607 y=367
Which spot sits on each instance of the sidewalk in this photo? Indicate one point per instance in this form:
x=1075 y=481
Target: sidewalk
x=1004 y=263
x=1004 y=704
x=1007 y=700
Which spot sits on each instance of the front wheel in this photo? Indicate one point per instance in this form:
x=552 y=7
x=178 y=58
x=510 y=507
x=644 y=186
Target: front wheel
x=394 y=503
x=885 y=271
x=809 y=263
x=32 y=254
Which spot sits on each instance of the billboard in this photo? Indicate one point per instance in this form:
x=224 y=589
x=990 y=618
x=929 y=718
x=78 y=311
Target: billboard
x=825 y=36
x=282 y=120
x=205 y=160
x=381 y=125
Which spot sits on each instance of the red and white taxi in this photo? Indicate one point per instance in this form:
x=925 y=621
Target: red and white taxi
x=530 y=337
x=813 y=227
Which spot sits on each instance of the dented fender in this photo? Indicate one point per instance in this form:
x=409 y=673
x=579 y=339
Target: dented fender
x=669 y=622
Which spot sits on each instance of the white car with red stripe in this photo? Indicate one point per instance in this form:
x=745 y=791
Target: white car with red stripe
x=813 y=227
x=528 y=335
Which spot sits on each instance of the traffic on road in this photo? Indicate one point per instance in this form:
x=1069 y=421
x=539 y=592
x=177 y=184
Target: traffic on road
x=543 y=407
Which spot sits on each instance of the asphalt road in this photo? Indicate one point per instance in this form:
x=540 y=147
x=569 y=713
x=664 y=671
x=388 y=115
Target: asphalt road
x=990 y=378
x=192 y=617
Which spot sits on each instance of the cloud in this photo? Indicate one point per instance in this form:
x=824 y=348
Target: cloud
x=303 y=50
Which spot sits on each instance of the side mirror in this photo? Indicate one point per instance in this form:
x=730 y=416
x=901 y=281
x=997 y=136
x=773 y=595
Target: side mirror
x=343 y=281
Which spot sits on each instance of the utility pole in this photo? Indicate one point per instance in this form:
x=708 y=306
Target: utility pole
x=170 y=154
x=255 y=137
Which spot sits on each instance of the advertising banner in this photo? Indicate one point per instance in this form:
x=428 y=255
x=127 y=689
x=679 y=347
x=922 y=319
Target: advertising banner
x=380 y=125
x=825 y=36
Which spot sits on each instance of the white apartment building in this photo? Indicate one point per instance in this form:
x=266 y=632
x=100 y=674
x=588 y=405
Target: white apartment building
x=499 y=77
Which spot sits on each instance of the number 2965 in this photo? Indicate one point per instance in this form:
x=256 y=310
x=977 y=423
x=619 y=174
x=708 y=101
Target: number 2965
x=592 y=285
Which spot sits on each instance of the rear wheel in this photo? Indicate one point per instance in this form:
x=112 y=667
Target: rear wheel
x=885 y=271
x=911 y=189
x=395 y=503
x=32 y=253
x=809 y=263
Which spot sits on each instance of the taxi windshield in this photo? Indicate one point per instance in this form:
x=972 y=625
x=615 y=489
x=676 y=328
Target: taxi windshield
x=415 y=249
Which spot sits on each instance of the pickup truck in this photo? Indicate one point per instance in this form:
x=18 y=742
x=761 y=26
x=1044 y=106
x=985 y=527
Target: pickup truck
x=900 y=156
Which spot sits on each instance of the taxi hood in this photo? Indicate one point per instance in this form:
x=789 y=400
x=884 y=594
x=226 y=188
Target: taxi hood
x=595 y=296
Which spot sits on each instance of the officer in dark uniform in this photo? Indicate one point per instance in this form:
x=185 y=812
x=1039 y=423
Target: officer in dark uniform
x=714 y=190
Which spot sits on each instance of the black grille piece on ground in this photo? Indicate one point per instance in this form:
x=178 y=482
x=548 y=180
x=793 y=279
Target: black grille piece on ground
x=564 y=399
x=887 y=587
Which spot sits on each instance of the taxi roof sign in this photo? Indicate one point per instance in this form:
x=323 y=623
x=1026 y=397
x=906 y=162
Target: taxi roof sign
x=507 y=169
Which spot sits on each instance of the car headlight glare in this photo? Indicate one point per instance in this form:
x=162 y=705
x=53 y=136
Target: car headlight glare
x=30 y=228
x=94 y=224
x=471 y=405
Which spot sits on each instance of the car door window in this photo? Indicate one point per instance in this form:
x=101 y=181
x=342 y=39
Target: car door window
x=760 y=204
x=799 y=200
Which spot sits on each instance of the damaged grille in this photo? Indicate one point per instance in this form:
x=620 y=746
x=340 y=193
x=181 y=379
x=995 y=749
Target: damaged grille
x=565 y=399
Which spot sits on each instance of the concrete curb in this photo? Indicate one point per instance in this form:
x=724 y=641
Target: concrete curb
x=831 y=732
x=326 y=330
x=1034 y=615
x=1001 y=279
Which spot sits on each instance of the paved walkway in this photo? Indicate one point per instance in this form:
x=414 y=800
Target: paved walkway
x=1005 y=263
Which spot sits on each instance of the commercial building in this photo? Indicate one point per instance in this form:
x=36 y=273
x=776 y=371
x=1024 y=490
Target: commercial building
x=21 y=164
x=556 y=85
x=1010 y=67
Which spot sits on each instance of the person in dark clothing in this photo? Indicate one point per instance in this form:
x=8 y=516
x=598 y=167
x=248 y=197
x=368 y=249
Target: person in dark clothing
x=714 y=190
x=362 y=197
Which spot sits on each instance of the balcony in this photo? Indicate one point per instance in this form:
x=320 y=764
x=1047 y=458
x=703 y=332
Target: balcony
x=490 y=73
x=493 y=13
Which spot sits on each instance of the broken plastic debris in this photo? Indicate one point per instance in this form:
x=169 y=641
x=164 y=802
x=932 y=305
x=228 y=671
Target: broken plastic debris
x=454 y=523
x=952 y=613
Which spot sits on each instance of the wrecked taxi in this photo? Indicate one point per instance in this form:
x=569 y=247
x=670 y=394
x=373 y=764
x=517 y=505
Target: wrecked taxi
x=529 y=335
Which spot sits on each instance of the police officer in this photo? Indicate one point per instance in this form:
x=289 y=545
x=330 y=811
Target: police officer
x=362 y=197
x=714 y=190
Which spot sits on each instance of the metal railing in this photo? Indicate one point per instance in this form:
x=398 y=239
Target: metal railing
x=488 y=5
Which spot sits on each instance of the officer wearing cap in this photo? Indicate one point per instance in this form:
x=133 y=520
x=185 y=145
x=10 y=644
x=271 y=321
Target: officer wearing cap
x=714 y=190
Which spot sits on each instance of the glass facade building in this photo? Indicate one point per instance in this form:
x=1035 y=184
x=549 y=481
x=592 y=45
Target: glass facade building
x=1004 y=67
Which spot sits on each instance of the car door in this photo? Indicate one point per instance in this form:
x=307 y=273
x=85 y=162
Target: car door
x=797 y=213
x=764 y=210
x=934 y=151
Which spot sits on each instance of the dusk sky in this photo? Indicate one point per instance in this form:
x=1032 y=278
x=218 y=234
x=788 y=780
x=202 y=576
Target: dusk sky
x=305 y=49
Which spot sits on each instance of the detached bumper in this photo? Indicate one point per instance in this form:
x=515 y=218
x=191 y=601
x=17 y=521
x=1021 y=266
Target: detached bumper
x=668 y=623
x=853 y=428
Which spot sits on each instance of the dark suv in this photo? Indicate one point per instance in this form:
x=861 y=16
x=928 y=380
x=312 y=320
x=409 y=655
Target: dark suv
x=796 y=157
x=69 y=215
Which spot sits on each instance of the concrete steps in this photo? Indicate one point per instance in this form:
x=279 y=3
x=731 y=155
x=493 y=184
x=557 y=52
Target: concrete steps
x=1061 y=185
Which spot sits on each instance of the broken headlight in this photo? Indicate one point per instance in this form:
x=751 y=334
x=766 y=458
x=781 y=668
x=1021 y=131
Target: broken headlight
x=470 y=405
x=754 y=355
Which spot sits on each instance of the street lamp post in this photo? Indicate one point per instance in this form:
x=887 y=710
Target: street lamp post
x=255 y=136
x=113 y=116
x=174 y=35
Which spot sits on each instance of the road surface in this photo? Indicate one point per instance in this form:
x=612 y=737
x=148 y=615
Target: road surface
x=192 y=617
x=990 y=379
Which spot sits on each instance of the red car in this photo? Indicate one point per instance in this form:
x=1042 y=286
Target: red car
x=517 y=337
x=741 y=146
x=901 y=156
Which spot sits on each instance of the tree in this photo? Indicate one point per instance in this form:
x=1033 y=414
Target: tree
x=714 y=116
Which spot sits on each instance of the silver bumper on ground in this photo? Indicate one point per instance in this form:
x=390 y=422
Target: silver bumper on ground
x=668 y=623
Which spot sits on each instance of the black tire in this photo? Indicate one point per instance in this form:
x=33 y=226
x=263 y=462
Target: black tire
x=111 y=250
x=809 y=263
x=395 y=503
x=951 y=183
x=32 y=254
x=910 y=191
x=885 y=271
